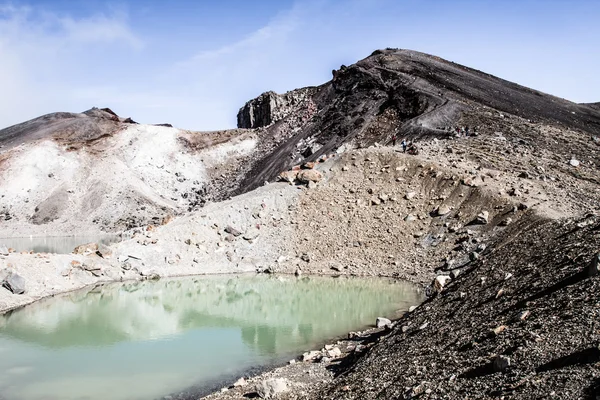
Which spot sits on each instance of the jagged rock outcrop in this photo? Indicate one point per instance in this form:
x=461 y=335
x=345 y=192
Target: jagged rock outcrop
x=271 y=107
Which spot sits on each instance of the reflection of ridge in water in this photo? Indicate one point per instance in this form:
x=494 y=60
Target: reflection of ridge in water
x=276 y=310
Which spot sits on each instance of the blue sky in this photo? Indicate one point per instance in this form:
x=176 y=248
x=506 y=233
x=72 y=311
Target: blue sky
x=194 y=63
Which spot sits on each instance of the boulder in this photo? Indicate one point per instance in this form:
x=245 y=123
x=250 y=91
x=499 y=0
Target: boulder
x=501 y=363
x=381 y=322
x=482 y=218
x=87 y=248
x=3 y=251
x=15 y=283
x=232 y=231
x=574 y=162
x=440 y=281
x=240 y=382
x=271 y=388
x=104 y=251
x=443 y=210
x=311 y=355
x=505 y=222
x=309 y=175
x=335 y=352
x=409 y=195
x=288 y=176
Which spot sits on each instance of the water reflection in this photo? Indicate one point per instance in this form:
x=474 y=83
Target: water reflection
x=182 y=331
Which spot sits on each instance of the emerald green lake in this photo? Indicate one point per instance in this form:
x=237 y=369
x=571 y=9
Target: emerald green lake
x=146 y=340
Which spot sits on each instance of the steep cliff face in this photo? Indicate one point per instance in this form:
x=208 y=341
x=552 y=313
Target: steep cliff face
x=271 y=107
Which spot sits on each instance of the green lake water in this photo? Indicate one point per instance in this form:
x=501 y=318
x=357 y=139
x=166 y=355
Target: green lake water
x=146 y=340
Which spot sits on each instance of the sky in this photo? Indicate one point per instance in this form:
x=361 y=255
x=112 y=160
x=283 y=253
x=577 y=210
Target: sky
x=195 y=63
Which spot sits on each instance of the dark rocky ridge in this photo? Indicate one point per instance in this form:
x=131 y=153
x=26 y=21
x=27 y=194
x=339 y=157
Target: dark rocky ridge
x=595 y=106
x=403 y=91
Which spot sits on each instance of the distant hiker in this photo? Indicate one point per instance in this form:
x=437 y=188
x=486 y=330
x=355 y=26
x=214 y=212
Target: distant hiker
x=466 y=131
x=394 y=140
x=404 y=145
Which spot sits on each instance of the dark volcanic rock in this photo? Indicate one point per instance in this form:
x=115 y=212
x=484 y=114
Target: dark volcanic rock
x=392 y=91
x=539 y=337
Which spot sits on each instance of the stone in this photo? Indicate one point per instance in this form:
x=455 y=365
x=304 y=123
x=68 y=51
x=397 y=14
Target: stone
x=382 y=322
x=454 y=274
x=443 y=210
x=482 y=217
x=3 y=251
x=240 y=382
x=384 y=197
x=410 y=218
x=311 y=355
x=440 y=281
x=573 y=162
x=410 y=195
x=334 y=352
x=514 y=192
x=501 y=363
x=15 y=283
x=288 y=176
x=104 y=251
x=375 y=201
x=498 y=330
x=309 y=165
x=505 y=222
x=311 y=185
x=412 y=308
x=232 y=231
x=523 y=315
x=298 y=272
x=87 y=248
x=309 y=175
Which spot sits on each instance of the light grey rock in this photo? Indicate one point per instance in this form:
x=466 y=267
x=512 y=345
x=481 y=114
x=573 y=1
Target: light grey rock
x=15 y=283
x=311 y=355
x=240 y=382
x=104 y=251
x=575 y=163
x=410 y=218
x=233 y=231
x=443 y=210
x=381 y=322
x=410 y=195
x=3 y=251
x=483 y=218
x=271 y=388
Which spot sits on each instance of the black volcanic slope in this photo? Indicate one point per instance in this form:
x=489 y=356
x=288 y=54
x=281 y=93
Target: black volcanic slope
x=405 y=91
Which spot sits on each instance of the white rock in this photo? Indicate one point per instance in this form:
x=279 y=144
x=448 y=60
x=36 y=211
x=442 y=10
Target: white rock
x=271 y=388
x=410 y=195
x=574 y=162
x=440 y=281
x=240 y=382
x=381 y=322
